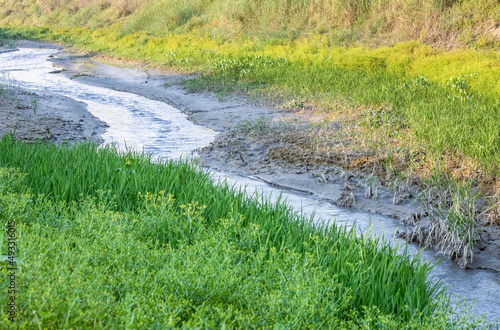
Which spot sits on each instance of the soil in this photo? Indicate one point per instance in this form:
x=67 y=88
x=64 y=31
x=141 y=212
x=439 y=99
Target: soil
x=270 y=144
x=40 y=116
x=282 y=158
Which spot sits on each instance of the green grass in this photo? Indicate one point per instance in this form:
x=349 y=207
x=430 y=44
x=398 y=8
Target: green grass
x=448 y=99
x=112 y=240
x=442 y=102
x=341 y=22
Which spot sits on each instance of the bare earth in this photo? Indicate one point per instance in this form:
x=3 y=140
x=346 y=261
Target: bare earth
x=50 y=118
x=247 y=144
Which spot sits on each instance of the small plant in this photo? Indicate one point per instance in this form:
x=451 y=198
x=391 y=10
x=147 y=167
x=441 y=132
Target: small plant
x=461 y=87
x=35 y=106
x=81 y=74
x=295 y=104
x=261 y=125
x=389 y=166
x=371 y=189
x=382 y=116
x=239 y=68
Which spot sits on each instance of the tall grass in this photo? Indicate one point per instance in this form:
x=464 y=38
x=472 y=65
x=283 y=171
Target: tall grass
x=442 y=22
x=177 y=199
x=87 y=266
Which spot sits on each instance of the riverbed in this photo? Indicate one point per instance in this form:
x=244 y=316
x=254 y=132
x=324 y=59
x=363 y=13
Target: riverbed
x=146 y=110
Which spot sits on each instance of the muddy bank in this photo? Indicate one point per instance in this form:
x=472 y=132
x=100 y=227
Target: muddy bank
x=271 y=154
x=261 y=142
x=6 y=49
x=37 y=115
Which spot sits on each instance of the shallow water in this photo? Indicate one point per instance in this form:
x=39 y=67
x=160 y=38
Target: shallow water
x=157 y=128
x=163 y=129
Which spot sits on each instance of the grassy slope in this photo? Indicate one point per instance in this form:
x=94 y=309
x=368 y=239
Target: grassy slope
x=443 y=22
x=157 y=245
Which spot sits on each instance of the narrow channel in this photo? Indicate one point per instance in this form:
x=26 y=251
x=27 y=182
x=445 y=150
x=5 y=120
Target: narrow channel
x=158 y=128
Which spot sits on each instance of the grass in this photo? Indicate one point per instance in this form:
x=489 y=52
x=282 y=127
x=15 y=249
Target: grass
x=453 y=219
x=112 y=239
x=448 y=23
x=449 y=100
x=425 y=100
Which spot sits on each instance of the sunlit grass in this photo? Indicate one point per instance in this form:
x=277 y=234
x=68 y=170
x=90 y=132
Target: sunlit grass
x=443 y=102
x=446 y=100
x=342 y=22
x=115 y=235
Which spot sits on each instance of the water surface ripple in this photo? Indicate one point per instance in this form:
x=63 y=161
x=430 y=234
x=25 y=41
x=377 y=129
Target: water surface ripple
x=135 y=120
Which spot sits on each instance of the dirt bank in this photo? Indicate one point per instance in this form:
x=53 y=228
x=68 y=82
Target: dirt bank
x=275 y=146
x=33 y=116
x=37 y=115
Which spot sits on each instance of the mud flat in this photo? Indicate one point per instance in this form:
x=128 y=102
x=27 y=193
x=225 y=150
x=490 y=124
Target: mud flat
x=264 y=142
x=37 y=115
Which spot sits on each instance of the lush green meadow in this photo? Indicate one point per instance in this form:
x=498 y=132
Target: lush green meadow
x=108 y=239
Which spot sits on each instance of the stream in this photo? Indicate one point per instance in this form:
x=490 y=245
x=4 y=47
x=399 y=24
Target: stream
x=164 y=131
